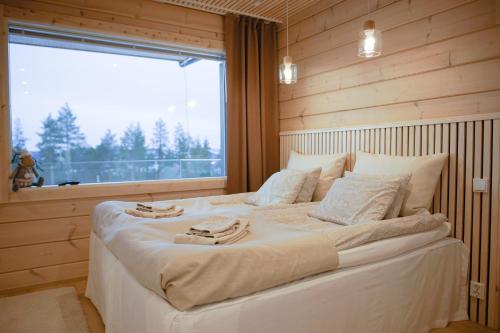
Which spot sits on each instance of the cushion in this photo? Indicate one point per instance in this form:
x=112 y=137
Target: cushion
x=403 y=180
x=424 y=170
x=281 y=188
x=332 y=167
x=309 y=186
x=352 y=200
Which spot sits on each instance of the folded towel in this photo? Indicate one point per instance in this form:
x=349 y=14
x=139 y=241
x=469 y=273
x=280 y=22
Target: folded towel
x=155 y=215
x=240 y=232
x=216 y=235
x=214 y=225
x=152 y=208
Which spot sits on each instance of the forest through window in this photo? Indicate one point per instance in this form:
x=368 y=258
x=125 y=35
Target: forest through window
x=96 y=117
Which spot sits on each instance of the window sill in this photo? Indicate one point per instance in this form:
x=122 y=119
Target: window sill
x=115 y=189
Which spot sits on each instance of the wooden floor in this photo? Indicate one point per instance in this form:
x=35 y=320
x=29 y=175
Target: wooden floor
x=96 y=326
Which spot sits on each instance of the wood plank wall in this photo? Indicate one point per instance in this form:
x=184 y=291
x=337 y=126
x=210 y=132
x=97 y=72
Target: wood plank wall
x=47 y=241
x=440 y=58
x=473 y=145
x=144 y=19
x=44 y=235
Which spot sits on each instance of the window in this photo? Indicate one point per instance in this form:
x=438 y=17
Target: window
x=94 y=110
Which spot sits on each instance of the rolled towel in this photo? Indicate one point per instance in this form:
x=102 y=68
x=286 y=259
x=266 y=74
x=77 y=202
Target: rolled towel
x=240 y=232
x=155 y=215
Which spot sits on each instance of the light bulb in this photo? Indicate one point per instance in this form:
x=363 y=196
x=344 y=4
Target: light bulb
x=369 y=43
x=287 y=73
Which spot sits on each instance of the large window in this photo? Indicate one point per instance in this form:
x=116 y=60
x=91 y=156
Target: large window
x=95 y=110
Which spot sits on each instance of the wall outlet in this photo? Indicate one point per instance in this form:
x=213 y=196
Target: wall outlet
x=477 y=290
x=480 y=185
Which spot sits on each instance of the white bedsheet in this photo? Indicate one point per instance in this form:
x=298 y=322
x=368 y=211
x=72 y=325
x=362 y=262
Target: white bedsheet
x=411 y=292
x=391 y=247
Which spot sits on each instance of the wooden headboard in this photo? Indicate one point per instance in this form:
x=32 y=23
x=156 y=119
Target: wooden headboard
x=473 y=144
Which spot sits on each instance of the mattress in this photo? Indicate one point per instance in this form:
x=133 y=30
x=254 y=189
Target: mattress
x=386 y=286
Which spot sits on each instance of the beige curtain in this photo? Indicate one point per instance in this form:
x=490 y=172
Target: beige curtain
x=252 y=102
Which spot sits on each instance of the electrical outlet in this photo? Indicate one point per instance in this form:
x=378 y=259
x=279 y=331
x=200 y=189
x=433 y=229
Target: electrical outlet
x=480 y=185
x=477 y=290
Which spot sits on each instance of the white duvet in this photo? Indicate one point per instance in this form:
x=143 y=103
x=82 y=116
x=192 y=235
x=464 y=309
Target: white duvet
x=281 y=237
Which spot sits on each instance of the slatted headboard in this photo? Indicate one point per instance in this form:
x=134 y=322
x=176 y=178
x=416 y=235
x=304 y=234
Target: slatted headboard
x=473 y=144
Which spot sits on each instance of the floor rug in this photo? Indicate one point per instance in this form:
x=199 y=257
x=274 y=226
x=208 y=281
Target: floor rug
x=48 y=311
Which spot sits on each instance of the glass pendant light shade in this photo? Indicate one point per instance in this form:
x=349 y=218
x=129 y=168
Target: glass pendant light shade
x=370 y=41
x=288 y=71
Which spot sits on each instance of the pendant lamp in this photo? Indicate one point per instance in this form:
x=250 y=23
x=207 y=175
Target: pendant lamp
x=287 y=70
x=370 y=40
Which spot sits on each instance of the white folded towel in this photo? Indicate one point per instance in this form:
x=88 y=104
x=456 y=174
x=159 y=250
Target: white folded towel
x=214 y=225
x=154 y=208
x=213 y=235
x=240 y=231
x=174 y=212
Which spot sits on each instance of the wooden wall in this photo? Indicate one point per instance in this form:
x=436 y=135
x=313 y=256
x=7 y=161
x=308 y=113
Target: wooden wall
x=143 y=19
x=473 y=144
x=44 y=233
x=44 y=241
x=440 y=58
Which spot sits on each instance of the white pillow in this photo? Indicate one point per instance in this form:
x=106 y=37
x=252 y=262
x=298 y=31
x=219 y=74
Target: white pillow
x=332 y=167
x=424 y=170
x=354 y=200
x=403 y=180
x=281 y=188
x=309 y=186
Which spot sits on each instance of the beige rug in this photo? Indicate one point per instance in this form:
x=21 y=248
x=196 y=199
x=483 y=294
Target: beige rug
x=49 y=311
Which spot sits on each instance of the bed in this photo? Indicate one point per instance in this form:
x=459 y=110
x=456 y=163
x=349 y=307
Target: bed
x=383 y=282
x=371 y=270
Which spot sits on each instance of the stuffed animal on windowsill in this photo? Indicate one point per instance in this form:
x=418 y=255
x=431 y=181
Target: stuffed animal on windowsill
x=25 y=172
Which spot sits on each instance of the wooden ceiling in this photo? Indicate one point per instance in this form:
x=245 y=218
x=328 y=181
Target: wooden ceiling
x=270 y=10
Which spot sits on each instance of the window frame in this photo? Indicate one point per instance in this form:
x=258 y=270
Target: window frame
x=206 y=185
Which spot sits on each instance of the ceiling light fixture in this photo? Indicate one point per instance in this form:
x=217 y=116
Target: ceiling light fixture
x=287 y=70
x=370 y=40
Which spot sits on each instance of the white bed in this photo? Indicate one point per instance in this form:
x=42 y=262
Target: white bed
x=404 y=284
x=392 y=275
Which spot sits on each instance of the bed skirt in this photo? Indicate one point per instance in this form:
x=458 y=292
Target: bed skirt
x=413 y=292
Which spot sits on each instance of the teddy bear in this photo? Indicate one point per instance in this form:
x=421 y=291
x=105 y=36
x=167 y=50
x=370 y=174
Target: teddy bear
x=25 y=172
